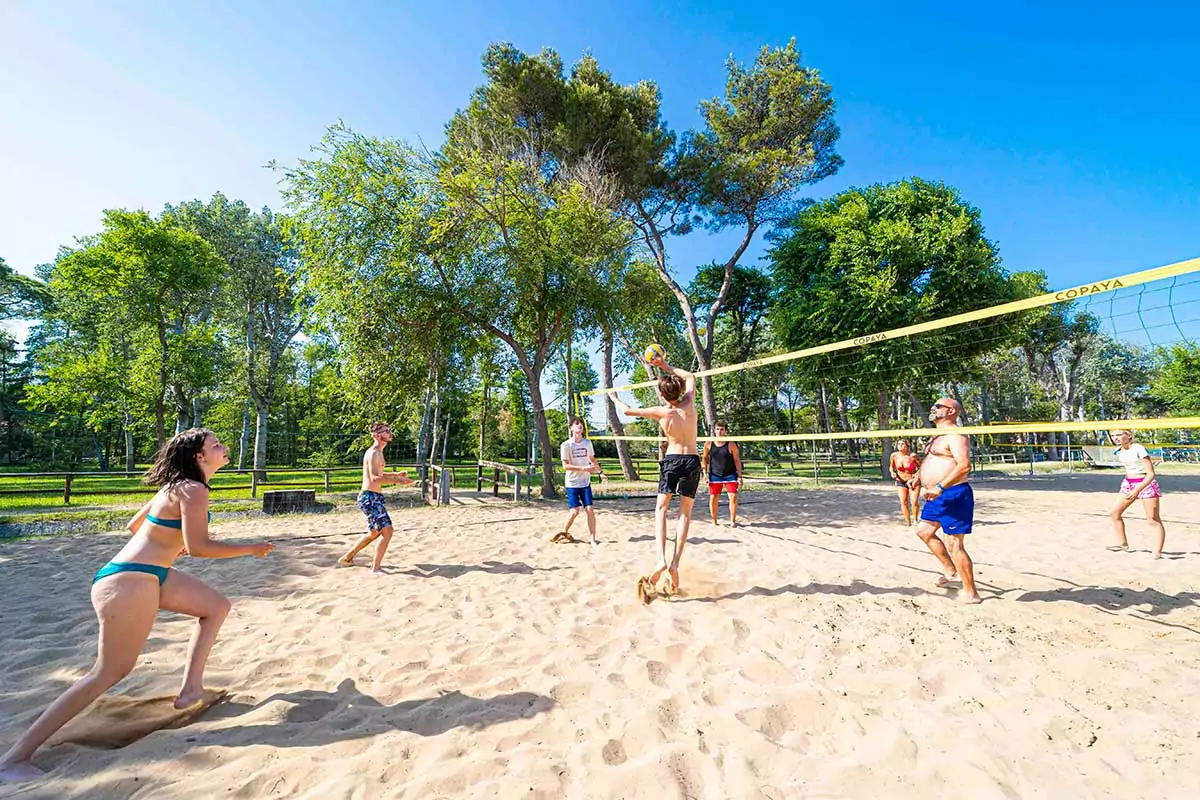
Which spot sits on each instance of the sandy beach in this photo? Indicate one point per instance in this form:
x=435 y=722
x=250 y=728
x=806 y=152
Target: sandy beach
x=808 y=656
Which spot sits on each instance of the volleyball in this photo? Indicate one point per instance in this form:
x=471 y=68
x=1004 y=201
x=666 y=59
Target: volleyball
x=652 y=352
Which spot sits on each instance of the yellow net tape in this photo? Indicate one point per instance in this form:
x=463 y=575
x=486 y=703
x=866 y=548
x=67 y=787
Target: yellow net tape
x=1076 y=292
x=970 y=430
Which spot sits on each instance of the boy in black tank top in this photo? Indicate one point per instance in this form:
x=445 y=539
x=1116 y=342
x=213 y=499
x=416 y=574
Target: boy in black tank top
x=722 y=463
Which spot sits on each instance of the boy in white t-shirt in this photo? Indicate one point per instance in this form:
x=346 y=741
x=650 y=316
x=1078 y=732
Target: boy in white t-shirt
x=1139 y=483
x=579 y=461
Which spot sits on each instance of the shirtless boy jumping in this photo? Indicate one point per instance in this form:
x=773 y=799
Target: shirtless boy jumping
x=679 y=471
x=370 y=500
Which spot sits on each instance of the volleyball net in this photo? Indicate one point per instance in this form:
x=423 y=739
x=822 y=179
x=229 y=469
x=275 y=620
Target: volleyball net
x=1059 y=368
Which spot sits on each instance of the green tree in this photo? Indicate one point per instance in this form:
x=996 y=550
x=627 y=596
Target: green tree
x=1177 y=379
x=137 y=293
x=262 y=304
x=770 y=135
x=868 y=260
x=19 y=296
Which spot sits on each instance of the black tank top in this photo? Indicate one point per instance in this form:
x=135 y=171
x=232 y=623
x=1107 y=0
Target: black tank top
x=720 y=461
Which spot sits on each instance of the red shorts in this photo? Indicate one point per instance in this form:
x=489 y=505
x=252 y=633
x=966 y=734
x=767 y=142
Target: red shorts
x=715 y=484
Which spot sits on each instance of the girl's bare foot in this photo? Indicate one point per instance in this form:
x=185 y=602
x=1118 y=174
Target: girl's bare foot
x=21 y=771
x=1118 y=548
x=673 y=581
x=346 y=561
x=970 y=600
x=1158 y=555
x=188 y=698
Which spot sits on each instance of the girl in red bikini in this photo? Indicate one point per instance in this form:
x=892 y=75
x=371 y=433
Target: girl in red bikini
x=904 y=466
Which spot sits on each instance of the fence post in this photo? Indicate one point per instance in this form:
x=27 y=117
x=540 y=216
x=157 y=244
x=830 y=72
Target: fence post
x=496 y=482
x=67 y=489
x=326 y=481
x=516 y=486
x=254 y=483
x=479 y=478
x=447 y=480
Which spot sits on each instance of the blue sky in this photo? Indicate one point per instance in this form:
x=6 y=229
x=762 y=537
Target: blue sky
x=1074 y=129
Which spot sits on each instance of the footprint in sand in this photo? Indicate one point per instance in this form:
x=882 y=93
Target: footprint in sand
x=668 y=715
x=613 y=753
x=657 y=672
x=771 y=721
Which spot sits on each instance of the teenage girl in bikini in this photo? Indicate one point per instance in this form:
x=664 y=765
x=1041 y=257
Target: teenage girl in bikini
x=1139 y=483
x=128 y=591
x=904 y=467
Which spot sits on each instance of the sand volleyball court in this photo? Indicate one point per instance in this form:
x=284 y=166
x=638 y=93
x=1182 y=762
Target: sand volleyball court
x=808 y=656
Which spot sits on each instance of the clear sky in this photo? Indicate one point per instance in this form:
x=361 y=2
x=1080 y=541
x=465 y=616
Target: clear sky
x=1075 y=130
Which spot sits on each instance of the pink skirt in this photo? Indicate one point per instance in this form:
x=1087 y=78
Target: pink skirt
x=1147 y=492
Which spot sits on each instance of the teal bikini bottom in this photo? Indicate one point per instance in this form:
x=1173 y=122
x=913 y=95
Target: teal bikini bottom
x=114 y=567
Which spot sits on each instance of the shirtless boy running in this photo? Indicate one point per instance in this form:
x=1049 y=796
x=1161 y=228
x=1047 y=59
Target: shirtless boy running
x=949 y=499
x=679 y=471
x=370 y=500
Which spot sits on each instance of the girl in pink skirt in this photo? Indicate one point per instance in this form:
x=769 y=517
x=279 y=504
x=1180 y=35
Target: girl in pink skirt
x=1139 y=483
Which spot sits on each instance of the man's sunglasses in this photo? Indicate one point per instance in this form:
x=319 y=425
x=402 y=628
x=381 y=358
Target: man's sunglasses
x=939 y=405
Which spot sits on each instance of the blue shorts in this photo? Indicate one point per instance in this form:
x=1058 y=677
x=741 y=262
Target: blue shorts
x=371 y=504
x=953 y=509
x=579 y=497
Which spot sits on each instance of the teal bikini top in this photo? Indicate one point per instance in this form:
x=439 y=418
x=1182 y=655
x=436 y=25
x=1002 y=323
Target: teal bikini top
x=177 y=524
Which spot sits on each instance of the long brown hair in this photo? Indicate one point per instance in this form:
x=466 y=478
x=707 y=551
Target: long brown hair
x=176 y=460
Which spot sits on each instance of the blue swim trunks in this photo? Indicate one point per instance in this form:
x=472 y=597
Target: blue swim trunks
x=953 y=509
x=371 y=504
x=579 y=497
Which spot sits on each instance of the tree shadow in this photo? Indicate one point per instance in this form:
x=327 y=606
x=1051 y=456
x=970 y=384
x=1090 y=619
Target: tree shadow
x=1106 y=482
x=1115 y=598
x=316 y=718
x=856 y=587
x=691 y=539
x=458 y=570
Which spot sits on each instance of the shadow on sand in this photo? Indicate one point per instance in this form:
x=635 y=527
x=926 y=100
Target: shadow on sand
x=855 y=588
x=315 y=718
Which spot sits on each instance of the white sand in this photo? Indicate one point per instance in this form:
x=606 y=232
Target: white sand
x=809 y=656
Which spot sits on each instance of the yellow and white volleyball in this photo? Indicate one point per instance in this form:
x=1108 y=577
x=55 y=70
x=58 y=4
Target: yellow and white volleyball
x=653 y=352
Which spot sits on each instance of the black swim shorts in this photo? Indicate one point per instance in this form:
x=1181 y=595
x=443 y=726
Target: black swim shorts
x=679 y=474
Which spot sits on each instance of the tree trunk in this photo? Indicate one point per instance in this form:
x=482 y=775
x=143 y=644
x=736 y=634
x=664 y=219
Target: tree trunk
x=483 y=418
x=823 y=408
x=569 y=388
x=129 y=454
x=614 y=419
x=445 y=440
x=160 y=420
x=844 y=423
x=260 y=441
x=918 y=410
x=101 y=458
x=437 y=423
x=881 y=411
x=196 y=422
x=544 y=448
x=985 y=407
x=244 y=441
x=423 y=428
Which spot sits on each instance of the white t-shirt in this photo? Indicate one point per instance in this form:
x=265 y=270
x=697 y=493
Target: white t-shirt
x=577 y=454
x=1131 y=459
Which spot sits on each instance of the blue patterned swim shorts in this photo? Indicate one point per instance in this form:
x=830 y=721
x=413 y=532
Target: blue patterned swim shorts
x=371 y=504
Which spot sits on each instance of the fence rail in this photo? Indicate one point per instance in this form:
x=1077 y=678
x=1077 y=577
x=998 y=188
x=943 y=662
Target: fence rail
x=257 y=478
